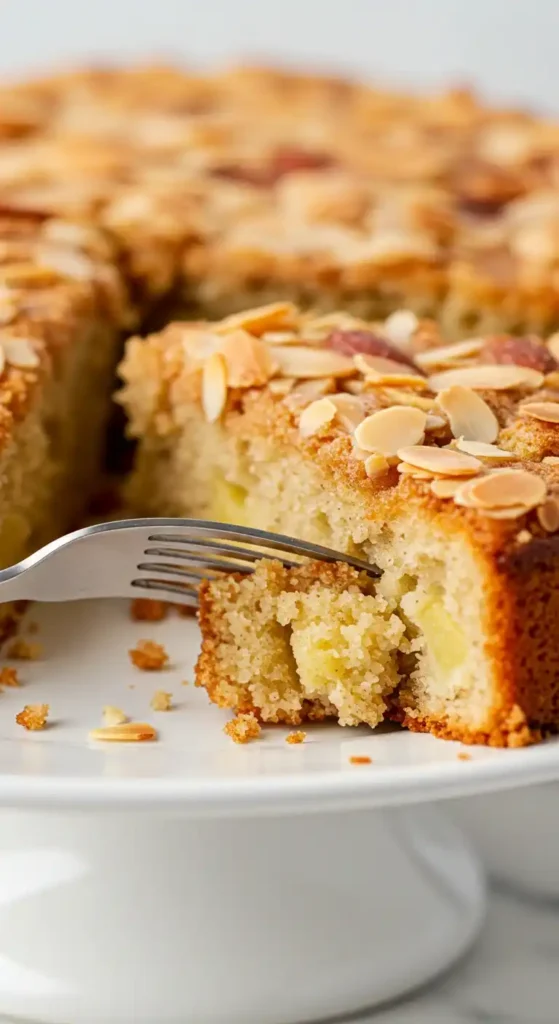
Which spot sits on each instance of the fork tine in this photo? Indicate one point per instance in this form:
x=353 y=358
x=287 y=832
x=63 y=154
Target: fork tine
x=212 y=560
x=206 y=546
x=198 y=571
x=189 y=596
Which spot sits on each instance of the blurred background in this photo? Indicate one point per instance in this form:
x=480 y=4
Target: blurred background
x=508 y=48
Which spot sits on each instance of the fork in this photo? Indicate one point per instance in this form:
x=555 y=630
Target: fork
x=160 y=558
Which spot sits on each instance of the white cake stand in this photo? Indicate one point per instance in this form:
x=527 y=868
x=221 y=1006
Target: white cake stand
x=195 y=881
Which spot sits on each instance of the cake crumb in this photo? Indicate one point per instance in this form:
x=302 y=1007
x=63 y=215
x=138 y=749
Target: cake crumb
x=161 y=701
x=243 y=728
x=523 y=537
x=296 y=737
x=360 y=759
x=33 y=716
x=147 y=609
x=185 y=682
x=127 y=732
x=9 y=677
x=462 y=755
x=148 y=655
x=113 y=715
x=24 y=650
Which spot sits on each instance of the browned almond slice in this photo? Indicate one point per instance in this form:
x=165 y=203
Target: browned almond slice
x=492 y=377
x=349 y=409
x=127 y=732
x=548 y=515
x=511 y=512
x=317 y=415
x=395 y=380
x=446 y=487
x=508 y=488
x=469 y=415
x=214 y=387
x=20 y=352
x=399 y=327
x=449 y=355
x=275 y=316
x=390 y=429
x=248 y=360
x=547 y=412
x=375 y=464
x=441 y=461
x=482 y=450
x=303 y=362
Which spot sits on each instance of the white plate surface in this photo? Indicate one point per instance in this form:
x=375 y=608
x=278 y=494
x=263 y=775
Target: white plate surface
x=194 y=768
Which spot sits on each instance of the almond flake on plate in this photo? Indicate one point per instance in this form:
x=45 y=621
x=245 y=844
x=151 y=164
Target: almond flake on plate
x=127 y=732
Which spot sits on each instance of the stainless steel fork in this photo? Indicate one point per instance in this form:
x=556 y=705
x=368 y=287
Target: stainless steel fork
x=160 y=558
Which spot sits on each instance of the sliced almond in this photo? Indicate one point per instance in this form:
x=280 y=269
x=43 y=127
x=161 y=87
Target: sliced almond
x=375 y=465
x=305 y=391
x=548 y=515
x=551 y=460
x=399 y=327
x=547 y=412
x=275 y=316
x=440 y=461
x=20 y=352
x=482 y=450
x=405 y=469
x=127 y=732
x=390 y=429
x=508 y=488
x=214 y=387
x=553 y=345
x=492 y=377
x=281 y=385
x=449 y=355
x=395 y=380
x=446 y=488
x=349 y=409
x=317 y=415
x=469 y=415
x=303 y=362
x=511 y=512
x=380 y=372
x=198 y=345
x=2 y=360
x=397 y=397
x=248 y=360
x=281 y=338
x=435 y=422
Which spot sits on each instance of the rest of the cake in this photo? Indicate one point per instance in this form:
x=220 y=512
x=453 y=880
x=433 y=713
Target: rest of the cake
x=437 y=462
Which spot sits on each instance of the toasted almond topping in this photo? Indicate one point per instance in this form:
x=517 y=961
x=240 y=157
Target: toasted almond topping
x=375 y=465
x=317 y=415
x=507 y=489
x=8 y=312
x=551 y=460
x=214 y=387
x=490 y=377
x=281 y=385
x=281 y=337
x=303 y=362
x=399 y=327
x=127 y=732
x=406 y=470
x=113 y=716
x=548 y=515
x=510 y=512
x=349 y=410
x=2 y=360
x=547 y=412
x=449 y=355
x=20 y=352
x=469 y=415
x=375 y=365
x=275 y=316
x=395 y=380
x=247 y=359
x=482 y=450
x=397 y=397
x=442 y=461
x=389 y=429
x=553 y=345
x=198 y=345
x=446 y=488
x=435 y=422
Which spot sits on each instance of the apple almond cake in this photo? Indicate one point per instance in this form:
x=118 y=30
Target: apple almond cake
x=437 y=462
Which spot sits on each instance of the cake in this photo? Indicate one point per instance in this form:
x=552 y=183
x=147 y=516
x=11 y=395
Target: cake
x=437 y=462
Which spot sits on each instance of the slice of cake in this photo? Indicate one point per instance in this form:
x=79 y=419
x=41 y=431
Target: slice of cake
x=290 y=644
x=437 y=462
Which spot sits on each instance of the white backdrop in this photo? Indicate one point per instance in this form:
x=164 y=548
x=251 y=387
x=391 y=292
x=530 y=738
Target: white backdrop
x=509 y=47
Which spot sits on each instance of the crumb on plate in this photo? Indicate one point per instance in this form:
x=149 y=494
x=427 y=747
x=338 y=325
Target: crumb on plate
x=185 y=682
x=127 y=732
x=113 y=715
x=243 y=728
x=296 y=737
x=148 y=655
x=360 y=759
x=9 y=677
x=33 y=716
x=161 y=701
x=463 y=755
x=24 y=650
x=147 y=609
